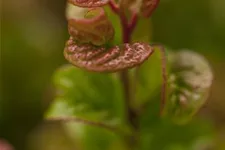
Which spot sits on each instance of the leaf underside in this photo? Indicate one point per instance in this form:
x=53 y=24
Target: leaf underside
x=148 y=6
x=101 y=59
x=93 y=28
x=88 y=3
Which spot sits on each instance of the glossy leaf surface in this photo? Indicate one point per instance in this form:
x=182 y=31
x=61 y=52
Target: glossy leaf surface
x=189 y=84
x=101 y=59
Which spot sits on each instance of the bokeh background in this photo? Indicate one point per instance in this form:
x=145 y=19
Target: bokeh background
x=33 y=33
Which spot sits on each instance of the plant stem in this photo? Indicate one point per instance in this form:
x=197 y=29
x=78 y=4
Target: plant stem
x=127 y=29
x=88 y=122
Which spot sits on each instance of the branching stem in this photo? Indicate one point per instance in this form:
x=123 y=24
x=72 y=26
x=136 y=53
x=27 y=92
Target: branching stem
x=128 y=27
x=88 y=122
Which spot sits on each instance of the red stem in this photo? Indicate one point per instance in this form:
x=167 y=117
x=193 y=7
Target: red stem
x=127 y=29
x=133 y=22
x=114 y=6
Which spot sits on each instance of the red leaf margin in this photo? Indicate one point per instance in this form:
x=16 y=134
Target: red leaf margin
x=89 y=3
x=101 y=59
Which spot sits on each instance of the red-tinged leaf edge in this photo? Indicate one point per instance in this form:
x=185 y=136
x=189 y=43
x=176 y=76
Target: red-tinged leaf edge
x=94 y=28
x=148 y=6
x=101 y=59
x=88 y=3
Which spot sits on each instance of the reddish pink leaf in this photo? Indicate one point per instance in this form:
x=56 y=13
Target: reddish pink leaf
x=148 y=6
x=88 y=3
x=4 y=145
x=94 y=28
x=101 y=59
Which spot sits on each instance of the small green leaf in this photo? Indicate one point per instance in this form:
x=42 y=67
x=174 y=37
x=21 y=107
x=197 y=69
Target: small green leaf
x=115 y=20
x=148 y=78
x=162 y=134
x=189 y=84
x=143 y=31
x=92 y=96
x=95 y=97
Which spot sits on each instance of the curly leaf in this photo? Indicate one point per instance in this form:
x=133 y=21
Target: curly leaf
x=189 y=84
x=89 y=25
x=88 y=3
x=144 y=7
x=101 y=59
x=148 y=6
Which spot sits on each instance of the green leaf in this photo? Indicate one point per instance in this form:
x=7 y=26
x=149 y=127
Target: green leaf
x=87 y=95
x=142 y=31
x=161 y=134
x=115 y=20
x=96 y=97
x=148 y=78
x=189 y=84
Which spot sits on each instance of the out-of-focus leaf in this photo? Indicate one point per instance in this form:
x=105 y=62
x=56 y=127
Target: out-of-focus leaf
x=162 y=134
x=148 y=78
x=189 y=84
x=88 y=95
x=101 y=59
x=89 y=25
x=144 y=7
x=101 y=140
x=115 y=20
x=92 y=96
x=4 y=145
x=88 y=3
x=142 y=31
x=148 y=6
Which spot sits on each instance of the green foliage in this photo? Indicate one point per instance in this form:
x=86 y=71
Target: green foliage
x=148 y=78
x=108 y=108
x=162 y=134
x=189 y=84
x=98 y=97
x=114 y=19
x=32 y=42
x=94 y=96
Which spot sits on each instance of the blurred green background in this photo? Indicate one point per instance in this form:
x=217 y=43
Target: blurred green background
x=33 y=33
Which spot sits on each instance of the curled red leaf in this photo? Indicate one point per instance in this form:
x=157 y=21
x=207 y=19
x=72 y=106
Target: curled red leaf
x=148 y=6
x=101 y=59
x=93 y=28
x=88 y=3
